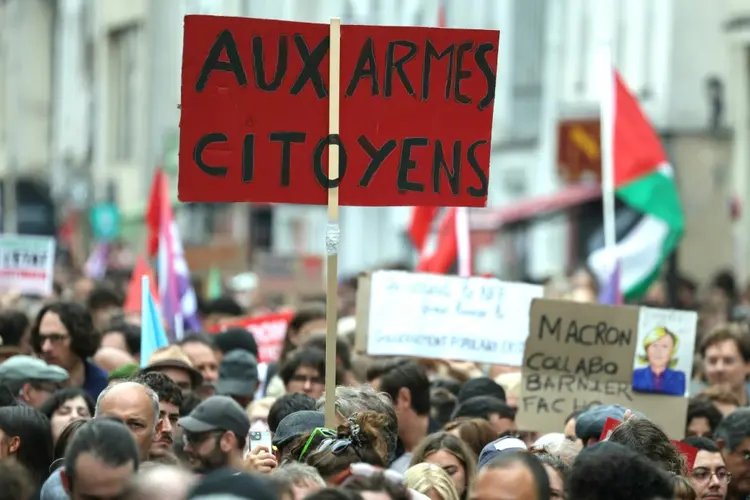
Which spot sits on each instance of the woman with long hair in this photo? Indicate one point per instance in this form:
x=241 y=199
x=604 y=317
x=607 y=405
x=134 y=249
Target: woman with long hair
x=432 y=481
x=453 y=455
x=25 y=435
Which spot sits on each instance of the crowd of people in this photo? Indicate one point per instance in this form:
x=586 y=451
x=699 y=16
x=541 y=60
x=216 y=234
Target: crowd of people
x=82 y=417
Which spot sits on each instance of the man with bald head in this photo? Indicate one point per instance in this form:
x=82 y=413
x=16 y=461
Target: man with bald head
x=512 y=475
x=138 y=408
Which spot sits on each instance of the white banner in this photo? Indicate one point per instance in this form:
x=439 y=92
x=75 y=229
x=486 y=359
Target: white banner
x=446 y=317
x=27 y=264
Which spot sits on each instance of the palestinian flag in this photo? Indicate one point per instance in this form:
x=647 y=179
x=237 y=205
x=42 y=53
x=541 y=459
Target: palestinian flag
x=644 y=182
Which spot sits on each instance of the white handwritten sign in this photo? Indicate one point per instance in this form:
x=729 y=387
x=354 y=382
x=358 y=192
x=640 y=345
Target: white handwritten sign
x=444 y=317
x=27 y=264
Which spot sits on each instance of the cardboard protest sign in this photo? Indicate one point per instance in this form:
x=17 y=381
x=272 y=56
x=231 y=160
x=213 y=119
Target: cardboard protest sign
x=663 y=361
x=269 y=331
x=446 y=317
x=416 y=110
x=27 y=264
x=582 y=354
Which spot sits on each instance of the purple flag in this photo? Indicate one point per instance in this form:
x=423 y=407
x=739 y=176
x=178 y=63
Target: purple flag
x=176 y=290
x=611 y=293
x=96 y=265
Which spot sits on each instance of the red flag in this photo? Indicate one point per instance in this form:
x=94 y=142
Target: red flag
x=446 y=250
x=452 y=246
x=153 y=212
x=133 y=298
x=636 y=147
x=421 y=225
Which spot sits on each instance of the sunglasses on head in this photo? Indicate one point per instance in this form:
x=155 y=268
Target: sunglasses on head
x=336 y=446
x=318 y=431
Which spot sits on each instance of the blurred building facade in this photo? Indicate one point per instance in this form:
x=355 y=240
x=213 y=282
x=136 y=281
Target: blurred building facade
x=90 y=93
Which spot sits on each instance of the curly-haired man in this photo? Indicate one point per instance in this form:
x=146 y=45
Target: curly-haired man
x=64 y=335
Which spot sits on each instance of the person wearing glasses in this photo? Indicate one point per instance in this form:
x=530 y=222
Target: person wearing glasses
x=215 y=434
x=710 y=477
x=304 y=372
x=64 y=335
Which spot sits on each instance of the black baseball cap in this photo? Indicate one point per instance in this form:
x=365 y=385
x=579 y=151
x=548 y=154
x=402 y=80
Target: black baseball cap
x=296 y=424
x=217 y=413
x=229 y=483
x=238 y=374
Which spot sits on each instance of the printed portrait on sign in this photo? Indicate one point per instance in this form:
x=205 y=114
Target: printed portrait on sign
x=663 y=356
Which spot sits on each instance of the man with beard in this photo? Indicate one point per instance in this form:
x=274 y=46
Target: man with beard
x=215 y=433
x=170 y=400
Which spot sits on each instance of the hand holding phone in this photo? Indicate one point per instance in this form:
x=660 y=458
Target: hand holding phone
x=262 y=438
x=258 y=454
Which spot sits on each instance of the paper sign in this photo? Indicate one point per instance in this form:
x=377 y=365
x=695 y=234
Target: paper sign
x=416 y=111
x=663 y=361
x=609 y=425
x=269 y=332
x=582 y=354
x=444 y=317
x=27 y=264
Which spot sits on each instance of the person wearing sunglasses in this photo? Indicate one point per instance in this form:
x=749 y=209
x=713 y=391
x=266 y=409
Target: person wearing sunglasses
x=359 y=440
x=214 y=434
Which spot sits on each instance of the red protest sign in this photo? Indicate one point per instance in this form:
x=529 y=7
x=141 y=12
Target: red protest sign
x=415 y=111
x=688 y=452
x=609 y=425
x=269 y=331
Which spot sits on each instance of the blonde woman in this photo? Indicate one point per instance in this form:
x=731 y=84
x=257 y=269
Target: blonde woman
x=431 y=480
x=452 y=455
x=659 y=349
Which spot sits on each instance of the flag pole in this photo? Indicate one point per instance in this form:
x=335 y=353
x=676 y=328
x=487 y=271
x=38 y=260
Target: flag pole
x=332 y=229
x=607 y=97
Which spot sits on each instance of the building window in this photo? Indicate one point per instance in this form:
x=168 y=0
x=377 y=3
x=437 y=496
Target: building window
x=123 y=48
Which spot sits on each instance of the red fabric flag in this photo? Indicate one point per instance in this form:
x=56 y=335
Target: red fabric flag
x=446 y=250
x=133 y=297
x=636 y=147
x=153 y=212
x=420 y=226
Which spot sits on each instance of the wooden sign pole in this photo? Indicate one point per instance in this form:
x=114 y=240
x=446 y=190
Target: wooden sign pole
x=332 y=229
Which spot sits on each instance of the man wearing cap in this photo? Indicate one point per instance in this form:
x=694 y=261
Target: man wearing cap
x=591 y=422
x=295 y=425
x=499 y=447
x=175 y=364
x=215 y=433
x=31 y=379
x=238 y=377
